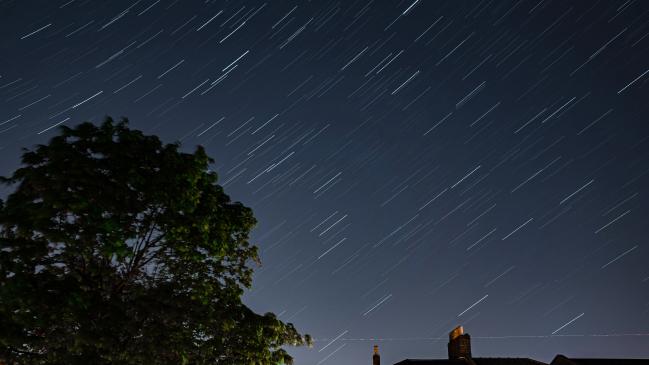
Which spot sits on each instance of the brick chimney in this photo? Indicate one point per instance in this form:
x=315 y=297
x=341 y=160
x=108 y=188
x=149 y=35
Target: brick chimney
x=376 y=358
x=459 y=344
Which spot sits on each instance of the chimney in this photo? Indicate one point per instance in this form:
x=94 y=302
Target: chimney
x=376 y=358
x=459 y=344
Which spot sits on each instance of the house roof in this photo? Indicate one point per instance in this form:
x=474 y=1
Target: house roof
x=430 y=362
x=482 y=361
x=563 y=360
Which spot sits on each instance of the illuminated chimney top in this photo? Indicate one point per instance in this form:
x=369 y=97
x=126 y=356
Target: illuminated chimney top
x=457 y=332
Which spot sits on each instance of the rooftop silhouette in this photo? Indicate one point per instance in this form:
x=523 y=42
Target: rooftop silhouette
x=459 y=353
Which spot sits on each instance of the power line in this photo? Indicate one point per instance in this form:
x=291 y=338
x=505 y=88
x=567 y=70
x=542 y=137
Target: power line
x=445 y=338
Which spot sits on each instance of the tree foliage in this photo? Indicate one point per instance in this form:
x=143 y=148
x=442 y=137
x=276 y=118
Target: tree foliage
x=117 y=249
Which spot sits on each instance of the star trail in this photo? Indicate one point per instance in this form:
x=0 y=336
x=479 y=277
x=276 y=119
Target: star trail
x=413 y=165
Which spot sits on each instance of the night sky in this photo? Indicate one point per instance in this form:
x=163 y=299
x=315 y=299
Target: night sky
x=414 y=165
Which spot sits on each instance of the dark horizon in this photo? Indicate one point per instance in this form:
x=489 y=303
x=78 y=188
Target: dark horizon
x=413 y=165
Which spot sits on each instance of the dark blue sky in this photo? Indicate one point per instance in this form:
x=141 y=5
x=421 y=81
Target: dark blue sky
x=413 y=165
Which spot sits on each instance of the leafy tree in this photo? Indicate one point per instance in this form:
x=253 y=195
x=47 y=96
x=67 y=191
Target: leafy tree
x=117 y=249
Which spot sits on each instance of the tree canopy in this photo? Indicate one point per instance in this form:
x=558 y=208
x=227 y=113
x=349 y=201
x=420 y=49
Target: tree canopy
x=118 y=249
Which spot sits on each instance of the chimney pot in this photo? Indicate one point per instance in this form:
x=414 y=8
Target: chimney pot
x=376 y=358
x=457 y=331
